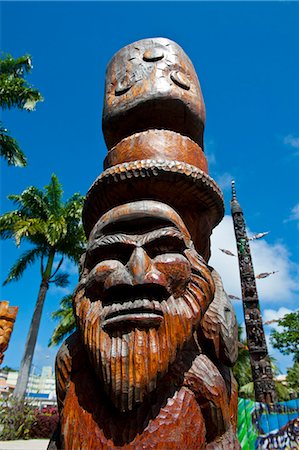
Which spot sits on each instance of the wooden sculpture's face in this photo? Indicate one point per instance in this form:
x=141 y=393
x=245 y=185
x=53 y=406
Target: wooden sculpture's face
x=142 y=292
x=154 y=80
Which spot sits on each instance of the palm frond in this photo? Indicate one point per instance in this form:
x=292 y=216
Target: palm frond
x=56 y=229
x=27 y=227
x=247 y=390
x=32 y=202
x=7 y=223
x=54 y=194
x=14 y=89
x=10 y=150
x=67 y=323
x=15 y=92
x=61 y=280
x=25 y=260
x=15 y=66
x=73 y=207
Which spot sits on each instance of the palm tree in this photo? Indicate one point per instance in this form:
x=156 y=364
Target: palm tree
x=242 y=368
x=66 y=324
x=15 y=92
x=52 y=228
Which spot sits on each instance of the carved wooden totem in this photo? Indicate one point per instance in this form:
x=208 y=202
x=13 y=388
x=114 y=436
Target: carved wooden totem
x=262 y=375
x=8 y=316
x=150 y=363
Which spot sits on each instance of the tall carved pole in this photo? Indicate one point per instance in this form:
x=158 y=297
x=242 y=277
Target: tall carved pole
x=7 y=320
x=262 y=376
x=150 y=363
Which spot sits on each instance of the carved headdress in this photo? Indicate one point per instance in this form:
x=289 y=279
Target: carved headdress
x=153 y=124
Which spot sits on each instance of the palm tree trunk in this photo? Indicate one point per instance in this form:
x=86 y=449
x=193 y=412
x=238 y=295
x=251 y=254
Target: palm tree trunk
x=24 y=372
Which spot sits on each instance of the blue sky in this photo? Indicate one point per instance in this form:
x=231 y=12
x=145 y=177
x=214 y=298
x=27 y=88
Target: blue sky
x=246 y=58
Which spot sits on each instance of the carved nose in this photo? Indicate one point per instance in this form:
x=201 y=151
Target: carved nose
x=139 y=265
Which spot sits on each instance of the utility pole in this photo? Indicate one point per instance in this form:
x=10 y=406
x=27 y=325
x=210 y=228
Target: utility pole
x=262 y=376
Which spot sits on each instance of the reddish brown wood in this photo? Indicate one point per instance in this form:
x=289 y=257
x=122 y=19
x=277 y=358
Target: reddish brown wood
x=150 y=363
x=157 y=144
x=154 y=92
x=7 y=320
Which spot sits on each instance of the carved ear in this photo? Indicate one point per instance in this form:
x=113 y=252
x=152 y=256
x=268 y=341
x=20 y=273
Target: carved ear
x=219 y=324
x=67 y=361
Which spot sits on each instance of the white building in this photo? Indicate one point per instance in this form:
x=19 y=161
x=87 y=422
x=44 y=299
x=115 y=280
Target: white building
x=40 y=390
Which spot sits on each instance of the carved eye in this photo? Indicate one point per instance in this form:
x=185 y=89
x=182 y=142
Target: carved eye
x=180 y=79
x=123 y=86
x=153 y=54
x=119 y=252
x=164 y=245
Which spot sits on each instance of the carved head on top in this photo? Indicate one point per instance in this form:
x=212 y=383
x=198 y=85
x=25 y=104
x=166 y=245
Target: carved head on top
x=154 y=80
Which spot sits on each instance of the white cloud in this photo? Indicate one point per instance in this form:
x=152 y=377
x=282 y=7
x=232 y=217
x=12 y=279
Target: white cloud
x=278 y=288
x=294 y=214
x=282 y=361
x=67 y=265
x=272 y=314
x=61 y=291
x=209 y=153
x=43 y=356
x=224 y=180
x=291 y=140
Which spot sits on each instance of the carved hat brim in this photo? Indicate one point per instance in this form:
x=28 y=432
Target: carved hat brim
x=182 y=186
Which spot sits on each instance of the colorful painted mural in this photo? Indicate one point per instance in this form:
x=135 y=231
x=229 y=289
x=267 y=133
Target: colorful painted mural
x=262 y=426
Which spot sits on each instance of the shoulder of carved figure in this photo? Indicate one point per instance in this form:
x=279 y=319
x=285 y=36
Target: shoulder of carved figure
x=219 y=324
x=66 y=361
x=207 y=384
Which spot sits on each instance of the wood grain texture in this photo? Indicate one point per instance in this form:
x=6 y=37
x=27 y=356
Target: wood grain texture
x=163 y=144
x=144 y=93
x=150 y=363
x=8 y=316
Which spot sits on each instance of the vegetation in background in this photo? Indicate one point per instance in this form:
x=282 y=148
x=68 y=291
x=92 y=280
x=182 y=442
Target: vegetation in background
x=21 y=420
x=16 y=419
x=242 y=373
x=6 y=369
x=287 y=340
x=293 y=379
x=45 y=423
x=66 y=318
x=242 y=368
x=15 y=92
x=52 y=228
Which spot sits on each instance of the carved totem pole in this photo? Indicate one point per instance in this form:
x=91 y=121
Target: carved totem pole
x=264 y=385
x=150 y=363
x=8 y=316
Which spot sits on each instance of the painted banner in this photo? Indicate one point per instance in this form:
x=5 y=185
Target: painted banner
x=274 y=426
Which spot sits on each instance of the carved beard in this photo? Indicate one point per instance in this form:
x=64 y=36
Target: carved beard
x=130 y=363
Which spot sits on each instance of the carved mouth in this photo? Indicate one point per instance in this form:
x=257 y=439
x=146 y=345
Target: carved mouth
x=134 y=306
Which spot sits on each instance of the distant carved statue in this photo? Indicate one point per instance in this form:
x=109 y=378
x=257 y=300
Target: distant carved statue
x=150 y=363
x=7 y=320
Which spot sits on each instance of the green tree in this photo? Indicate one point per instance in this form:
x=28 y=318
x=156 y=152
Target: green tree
x=66 y=318
x=52 y=228
x=287 y=340
x=15 y=92
x=242 y=368
x=293 y=378
x=243 y=375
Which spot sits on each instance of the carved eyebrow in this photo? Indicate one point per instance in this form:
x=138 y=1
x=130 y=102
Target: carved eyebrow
x=121 y=238
x=110 y=240
x=162 y=232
